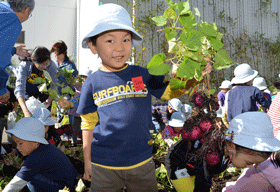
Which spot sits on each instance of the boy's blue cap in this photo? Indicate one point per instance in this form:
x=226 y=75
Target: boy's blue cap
x=29 y=129
x=109 y=17
x=44 y=115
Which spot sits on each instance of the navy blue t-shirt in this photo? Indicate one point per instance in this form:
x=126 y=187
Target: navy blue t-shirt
x=121 y=137
x=51 y=163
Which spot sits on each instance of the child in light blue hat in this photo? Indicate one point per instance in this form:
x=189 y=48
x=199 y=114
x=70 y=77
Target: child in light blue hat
x=46 y=168
x=118 y=149
x=44 y=115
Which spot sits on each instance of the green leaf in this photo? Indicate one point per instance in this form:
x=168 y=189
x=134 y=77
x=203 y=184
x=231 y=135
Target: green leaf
x=192 y=41
x=197 y=12
x=53 y=93
x=209 y=29
x=187 y=20
x=220 y=36
x=169 y=34
x=176 y=84
x=157 y=66
x=170 y=13
x=67 y=90
x=187 y=68
x=47 y=75
x=159 y=69
x=174 y=46
x=211 y=91
x=271 y=88
x=222 y=60
x=42 y=87
x=39 y=80
x=81 y=186
x=157 y=60
x=162 y=169
x=170 y=2
x=195 y=55
x=215 y=43
x=183 y=8
x=160 y=20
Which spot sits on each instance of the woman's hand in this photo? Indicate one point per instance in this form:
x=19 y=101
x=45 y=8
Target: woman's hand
x=27 y=114
x=65 y=104
x=21 y=51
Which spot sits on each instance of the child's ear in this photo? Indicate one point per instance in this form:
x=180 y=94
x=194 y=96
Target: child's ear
x=26 y=10
x=92 y=47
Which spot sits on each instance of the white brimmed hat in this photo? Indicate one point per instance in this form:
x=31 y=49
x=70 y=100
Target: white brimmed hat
x=109 y=17
x=243 y=74
x=226 y=84
x=177 y=119
x=260 y=83
x=176 y=104
x=86 y=72
x=43 y=115
x=254 y=130
x=29 y=129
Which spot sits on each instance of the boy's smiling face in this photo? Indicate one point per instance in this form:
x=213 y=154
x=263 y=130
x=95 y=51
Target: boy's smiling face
x=25 y=147
x=114 y=48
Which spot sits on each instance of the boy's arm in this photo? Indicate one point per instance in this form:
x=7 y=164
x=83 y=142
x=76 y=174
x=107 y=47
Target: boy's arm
x=88 y=123
x=16 y=184
x=87 y=139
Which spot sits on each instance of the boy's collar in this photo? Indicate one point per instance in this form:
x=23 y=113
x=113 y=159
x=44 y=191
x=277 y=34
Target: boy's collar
x=105 y=70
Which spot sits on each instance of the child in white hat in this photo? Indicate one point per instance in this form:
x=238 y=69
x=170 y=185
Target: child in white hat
x=46 y=168
x=244 y=97
x=162 y=113
x=44 y=115
x=248 y=142
x=260 y=83
x=225 y=87
x=174 y=128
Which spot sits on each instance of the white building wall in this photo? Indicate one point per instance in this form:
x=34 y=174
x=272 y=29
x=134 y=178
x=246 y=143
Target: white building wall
x=85 y=58
x=51 y=21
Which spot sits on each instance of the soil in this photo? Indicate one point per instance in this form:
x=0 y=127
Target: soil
x=76 y=158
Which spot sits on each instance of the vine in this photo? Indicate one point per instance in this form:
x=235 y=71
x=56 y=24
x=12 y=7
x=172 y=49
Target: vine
x=192 y=43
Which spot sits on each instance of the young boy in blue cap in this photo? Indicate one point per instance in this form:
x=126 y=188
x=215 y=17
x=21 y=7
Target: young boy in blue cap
x=118 y=149
x=46 y=168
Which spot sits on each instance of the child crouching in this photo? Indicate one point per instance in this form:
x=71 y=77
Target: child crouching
x=174 y=128
x=46 y=168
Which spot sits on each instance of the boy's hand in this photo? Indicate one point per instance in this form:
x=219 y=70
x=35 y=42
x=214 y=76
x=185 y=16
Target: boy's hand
x=87 y=173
